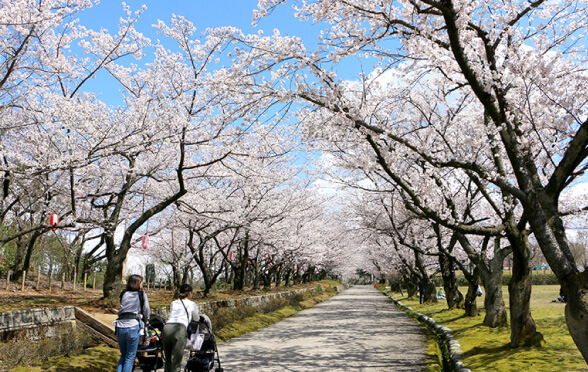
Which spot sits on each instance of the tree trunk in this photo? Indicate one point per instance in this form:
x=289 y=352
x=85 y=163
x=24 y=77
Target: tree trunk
x=28 y=248
x=523 y=331
x=185 y=274
x=267 y=280
x=208 y=283
x=287 y=278
x=430 y=291
x=267 y=283
x=577 y=309
x=553 y=243
x=296 y=277
x=278 y=277
x=256 y=275
x=115 y=257
x=430 y=294
x=113 y=278
x=491 y=275
x=177 y=278
x=231 y=276
x=470 y=303
x=240 y=269
x=306 y=277
x=78 y=261
x=17 y=268
x=494 y=302
x=410 y=283
x=239 y=277
x=452 y=294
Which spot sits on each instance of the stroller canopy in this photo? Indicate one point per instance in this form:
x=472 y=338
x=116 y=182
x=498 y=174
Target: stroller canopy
x=157 y=322
x=204 y=323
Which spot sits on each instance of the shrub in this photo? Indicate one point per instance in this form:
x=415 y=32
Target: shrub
x=296 y=299
x=221 y=317
x=272 y=305
x=23 y=350
x=547 y=279
x=539 y=278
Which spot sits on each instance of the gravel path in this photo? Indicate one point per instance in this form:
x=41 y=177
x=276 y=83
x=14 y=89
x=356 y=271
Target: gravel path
x=357 y=330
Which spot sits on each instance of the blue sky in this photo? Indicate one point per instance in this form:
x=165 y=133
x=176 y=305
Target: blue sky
x=202 y=13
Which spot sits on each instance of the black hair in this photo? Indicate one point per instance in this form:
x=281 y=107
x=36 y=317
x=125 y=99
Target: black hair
x=134 y=282
x=184 y=290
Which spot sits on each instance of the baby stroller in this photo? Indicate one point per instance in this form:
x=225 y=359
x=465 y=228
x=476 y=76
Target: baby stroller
x=150 y=352
x=202 y=358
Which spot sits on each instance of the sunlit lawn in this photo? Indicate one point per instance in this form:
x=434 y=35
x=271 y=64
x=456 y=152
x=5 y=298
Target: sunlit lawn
x=486 y=349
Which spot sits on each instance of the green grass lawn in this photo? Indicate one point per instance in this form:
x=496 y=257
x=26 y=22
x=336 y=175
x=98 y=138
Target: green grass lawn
x=486 y=349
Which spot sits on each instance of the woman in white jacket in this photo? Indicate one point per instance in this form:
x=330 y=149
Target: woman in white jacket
x=174 y=335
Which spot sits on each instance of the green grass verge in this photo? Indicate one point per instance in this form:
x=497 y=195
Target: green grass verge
x=487 y=349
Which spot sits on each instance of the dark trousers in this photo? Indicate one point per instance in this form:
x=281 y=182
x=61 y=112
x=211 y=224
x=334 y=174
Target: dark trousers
x=173 y=338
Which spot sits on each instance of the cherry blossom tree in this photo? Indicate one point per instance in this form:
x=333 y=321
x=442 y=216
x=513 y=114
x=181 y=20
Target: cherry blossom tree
x=533 y=132
x=42 y=100
x=515 y=58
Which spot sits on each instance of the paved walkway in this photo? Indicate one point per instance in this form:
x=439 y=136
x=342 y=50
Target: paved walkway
x=357 y=330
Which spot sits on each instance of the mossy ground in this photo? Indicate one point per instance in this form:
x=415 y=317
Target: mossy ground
x=94 y=359
x=487 y=349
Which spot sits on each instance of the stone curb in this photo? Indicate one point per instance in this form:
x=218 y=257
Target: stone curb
x=450 y=348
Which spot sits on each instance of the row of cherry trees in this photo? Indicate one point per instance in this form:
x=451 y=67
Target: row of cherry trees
x=254 y=231
x=214 y=176
x=466 y=127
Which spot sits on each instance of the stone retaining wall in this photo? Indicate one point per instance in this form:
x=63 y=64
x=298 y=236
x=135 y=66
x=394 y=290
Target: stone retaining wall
x=32 y=334
x=209 y=307
x=31 y=318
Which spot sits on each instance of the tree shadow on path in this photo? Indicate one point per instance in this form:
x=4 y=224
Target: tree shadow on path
x=359 y=329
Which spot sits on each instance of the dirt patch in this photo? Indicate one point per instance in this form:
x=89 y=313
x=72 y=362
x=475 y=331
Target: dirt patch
x=31 y=298
x=91 y=299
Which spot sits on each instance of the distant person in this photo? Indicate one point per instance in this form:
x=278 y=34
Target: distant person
x=562 y=297
x=480 y=292
x=134 y=311
x=441 y=293
x=421 y=291
x=175 y=334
